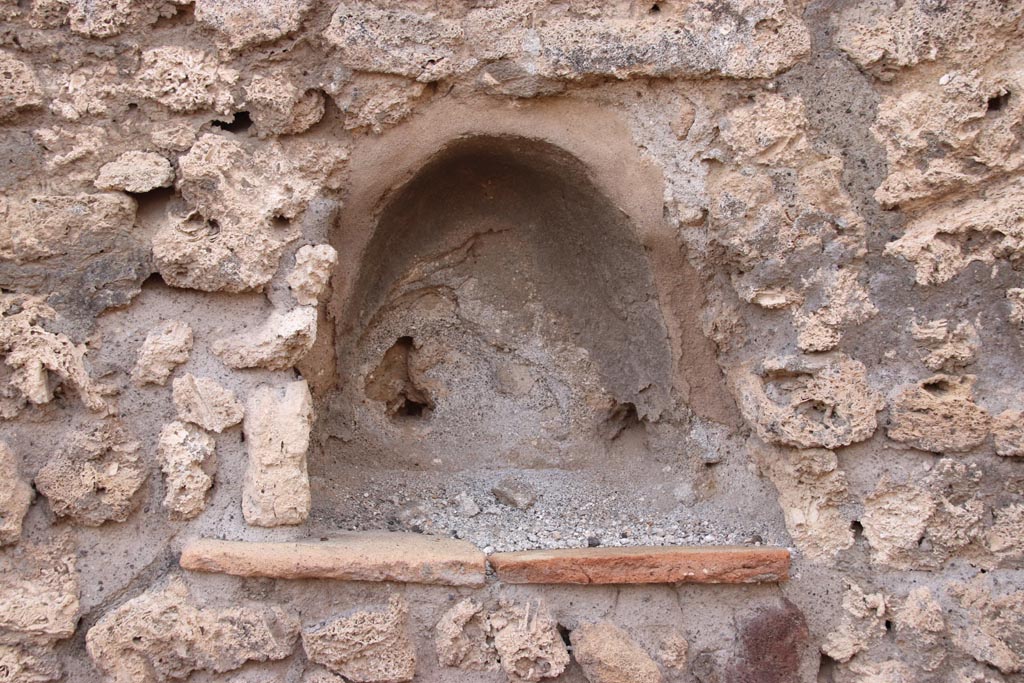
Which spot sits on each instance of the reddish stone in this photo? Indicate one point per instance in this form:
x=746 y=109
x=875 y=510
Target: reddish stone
x=658 y=564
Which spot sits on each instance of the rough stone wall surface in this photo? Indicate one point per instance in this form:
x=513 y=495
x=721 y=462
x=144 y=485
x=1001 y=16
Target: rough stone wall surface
x=532 y=274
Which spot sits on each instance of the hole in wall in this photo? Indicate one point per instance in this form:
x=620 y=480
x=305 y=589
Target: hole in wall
x=393 y=382
x=240 y=122
x=998 y=102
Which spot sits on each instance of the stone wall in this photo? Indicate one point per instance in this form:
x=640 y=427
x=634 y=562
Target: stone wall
x=527 y=275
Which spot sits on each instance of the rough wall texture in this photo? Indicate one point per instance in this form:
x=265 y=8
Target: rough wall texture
x=532 y=274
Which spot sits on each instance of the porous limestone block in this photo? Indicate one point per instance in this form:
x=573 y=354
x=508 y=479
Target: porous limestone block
x=204 y=402
x=940 y=415
x=277 y=425
x=1008 y=430
x=162 y=635
x=164 y=349
x=367 y=646
x=240 y=23
x=19 y=87
x=312 y=270
x=608 y=655
x=529 y=646
x=282 y=341
x=136 y=171
x=183 y=450
x=95 y=479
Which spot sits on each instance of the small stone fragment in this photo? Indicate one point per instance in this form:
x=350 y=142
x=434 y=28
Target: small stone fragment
x=164 y=349
x=895 y=520
x=940 y=415
x=674 y=651
x=528 y=643
x=862 y=624
x=466 y=506
x=277 y=423
x=39 y=360
x=312 y=270
x=95 y=479
x=282 y=341
x=136 y=171
x=1008 y=429
x=608 y=655
x=162 y=634
x=1006 y=537
x=204 y=402
x=240 y=23
x=921 y=628
x=19 y=88
x=15 y=497
x=183 y=450
x=514 y=493
x=371 y=646
x=100 y=18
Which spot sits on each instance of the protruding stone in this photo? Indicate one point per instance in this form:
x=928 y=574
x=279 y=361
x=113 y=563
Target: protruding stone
x=164 y=349
x=202 y=401
x=940 y=415
x=371 y=646
x=282 y=341
x=15 y=496
x=312 y=270
x=277 y=424
x=136 y=171
x=162 y=635
x=608 y=655
x=656 y=564
x=514 y=493
x=365 y=556
x=95 y=479
x=183 y=450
